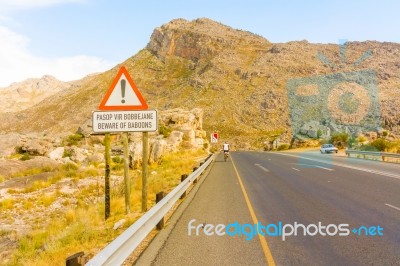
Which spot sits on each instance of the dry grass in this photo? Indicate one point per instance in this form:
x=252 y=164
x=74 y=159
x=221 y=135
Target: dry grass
x=83 y=228
x=6 y=204
x=33 y=171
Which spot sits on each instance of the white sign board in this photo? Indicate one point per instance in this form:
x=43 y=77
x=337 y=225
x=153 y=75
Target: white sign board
x=124 y=121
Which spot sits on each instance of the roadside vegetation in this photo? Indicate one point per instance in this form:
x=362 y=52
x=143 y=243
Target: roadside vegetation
x=79 y=225
x=343 y=140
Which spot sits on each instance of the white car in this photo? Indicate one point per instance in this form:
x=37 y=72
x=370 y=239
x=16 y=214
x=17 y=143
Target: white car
x=328 y=148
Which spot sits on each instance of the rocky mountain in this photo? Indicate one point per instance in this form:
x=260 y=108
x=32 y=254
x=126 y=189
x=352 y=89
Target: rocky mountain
x=238 y=78
x=22 y=95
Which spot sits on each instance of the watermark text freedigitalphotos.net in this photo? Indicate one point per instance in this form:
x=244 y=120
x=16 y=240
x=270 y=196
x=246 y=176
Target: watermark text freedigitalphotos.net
x=249 y=231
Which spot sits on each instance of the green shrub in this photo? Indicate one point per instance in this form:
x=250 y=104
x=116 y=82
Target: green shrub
x=319 y=133
x=340 y=139
x=213 y=149
x=165 y=131
x=352 y=142
x=367 y=148
x=283 y=147
x=362 y=139
x=69 y=166
x=381 y=144
x=117 y=163
x=70 y=169
x=66 y=153
x=385 y=133
x=117 y=159
x=25 y=157
x=74 y=139
x=205 y=145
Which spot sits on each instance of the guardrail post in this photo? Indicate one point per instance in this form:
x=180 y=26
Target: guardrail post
x=194 y=169
x=183 y=177
x=77 y=259
x=159 y=197
x=383 y=158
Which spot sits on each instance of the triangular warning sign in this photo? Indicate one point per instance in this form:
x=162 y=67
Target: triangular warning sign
x=123 y=94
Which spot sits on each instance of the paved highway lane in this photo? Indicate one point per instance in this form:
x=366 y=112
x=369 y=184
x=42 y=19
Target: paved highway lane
x=290 y=189
x=283 y=188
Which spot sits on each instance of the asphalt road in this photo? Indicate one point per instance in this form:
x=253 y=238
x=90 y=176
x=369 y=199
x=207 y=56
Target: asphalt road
x=288 y=188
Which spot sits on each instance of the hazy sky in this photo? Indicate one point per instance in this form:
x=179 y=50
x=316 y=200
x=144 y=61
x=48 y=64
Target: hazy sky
x=72 y=38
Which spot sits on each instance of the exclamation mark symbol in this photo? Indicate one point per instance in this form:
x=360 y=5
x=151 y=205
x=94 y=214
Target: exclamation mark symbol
x=123 y=82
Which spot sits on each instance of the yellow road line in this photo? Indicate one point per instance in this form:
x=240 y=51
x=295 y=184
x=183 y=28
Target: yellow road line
x=264 y=244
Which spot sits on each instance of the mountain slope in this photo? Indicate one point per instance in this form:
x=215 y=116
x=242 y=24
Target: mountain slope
x=237 y=77
x=22 y=95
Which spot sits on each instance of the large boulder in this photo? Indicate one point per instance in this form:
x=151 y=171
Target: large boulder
x=57 y=153
x=8 y=143
x=180 y=119
x=37 y=147
x=313 y=129
x=174 y=141
x=86 y=128
x=77 y=155
x=156 y=150
x=135 y=154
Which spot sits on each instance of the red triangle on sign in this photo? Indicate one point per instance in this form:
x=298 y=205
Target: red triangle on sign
x=123 y=94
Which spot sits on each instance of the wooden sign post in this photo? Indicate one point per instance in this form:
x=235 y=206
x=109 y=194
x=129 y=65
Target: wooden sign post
x=122 y=110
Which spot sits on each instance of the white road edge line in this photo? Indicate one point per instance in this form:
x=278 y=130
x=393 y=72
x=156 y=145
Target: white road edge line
x=346 y=166
x=391 y=206
x=316 y=166
x=328 y=169
x=262 y=167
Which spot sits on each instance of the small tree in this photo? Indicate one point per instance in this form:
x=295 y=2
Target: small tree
x=353 y=141
x=381 y=144
x=340 y=139
x=283 y=146
x=319 y=133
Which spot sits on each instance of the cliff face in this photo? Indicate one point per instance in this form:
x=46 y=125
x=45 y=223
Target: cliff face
x=239 y=79
x=197 y=40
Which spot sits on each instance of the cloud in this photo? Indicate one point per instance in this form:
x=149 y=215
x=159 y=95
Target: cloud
x=7 y=5
x=17 y=63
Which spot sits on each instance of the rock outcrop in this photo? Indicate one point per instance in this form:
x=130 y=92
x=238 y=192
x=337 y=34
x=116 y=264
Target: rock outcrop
x=184 y=130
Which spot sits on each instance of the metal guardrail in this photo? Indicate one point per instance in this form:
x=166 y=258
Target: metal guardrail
x=123 y=246
x=373 y=153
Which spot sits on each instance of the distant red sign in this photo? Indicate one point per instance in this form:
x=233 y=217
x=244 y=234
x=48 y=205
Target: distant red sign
x=214 y=137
